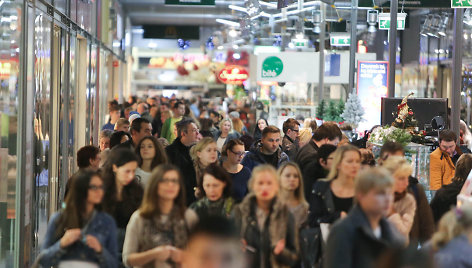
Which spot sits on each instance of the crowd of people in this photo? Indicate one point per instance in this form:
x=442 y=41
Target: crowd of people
x=182 y=184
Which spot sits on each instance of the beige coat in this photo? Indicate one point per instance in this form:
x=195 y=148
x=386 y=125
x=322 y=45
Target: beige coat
x=404 y=215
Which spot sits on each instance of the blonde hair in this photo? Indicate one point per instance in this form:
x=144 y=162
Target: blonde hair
x=238 y=125
x=305 y=135
x=372 y=178
x=299 y=192
x=397 y=165
x=338 y=158
x=451 y=225
x=261 y=169
x=199 y=147
x=226 y=120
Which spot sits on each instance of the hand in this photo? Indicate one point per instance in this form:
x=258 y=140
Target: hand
x=343 y=214
x=70 y=237
x=175 y=254
x=243 y=245
x=162 y=253
x=279 y=247
x=92 y=242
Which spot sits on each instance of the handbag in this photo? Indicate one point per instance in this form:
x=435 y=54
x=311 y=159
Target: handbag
x=310 y=246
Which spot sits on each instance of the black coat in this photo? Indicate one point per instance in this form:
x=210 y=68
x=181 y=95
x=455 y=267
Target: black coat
x=179 y=155
x=352 y=243
x=423 y=223
x=311 y=174
x=306 y=154
x=321 y=203
x=445 y=198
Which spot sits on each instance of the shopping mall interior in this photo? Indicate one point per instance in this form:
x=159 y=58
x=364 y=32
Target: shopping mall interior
x=63 y=61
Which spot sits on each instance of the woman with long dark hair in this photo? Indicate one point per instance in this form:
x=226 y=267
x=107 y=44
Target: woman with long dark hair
x=150 y=154
x=157 y=232
x=81 y=235
x=261 y=124
x=216 y=190
x=123 y=193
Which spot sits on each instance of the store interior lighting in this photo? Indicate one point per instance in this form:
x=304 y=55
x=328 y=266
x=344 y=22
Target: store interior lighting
x=435 y=22
x=372 y=18
x=426 y=26
x=444 y=25
x=316 y=14
x=228 y=22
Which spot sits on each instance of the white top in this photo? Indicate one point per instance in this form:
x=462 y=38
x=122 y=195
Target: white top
x=378 y=232
x=142 y=176
x=220 y=143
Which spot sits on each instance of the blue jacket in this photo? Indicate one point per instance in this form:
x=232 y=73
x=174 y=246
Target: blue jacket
x=102 y=226
x=455 y=254
x=254 y=157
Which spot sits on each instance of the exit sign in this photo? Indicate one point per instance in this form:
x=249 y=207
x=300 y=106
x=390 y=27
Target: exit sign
x=340 y=39
x=461 y=3
x=384 y=21
x=300 y=43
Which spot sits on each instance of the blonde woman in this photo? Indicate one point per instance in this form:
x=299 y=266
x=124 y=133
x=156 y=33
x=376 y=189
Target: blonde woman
x=291 y=191
x=333 y=196
x=225 y=134
x=404 y=206
x=204 y=153
x=265 y=223
x=452 y=242
x=305 y=135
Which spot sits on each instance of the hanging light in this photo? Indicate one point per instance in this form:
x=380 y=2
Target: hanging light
x=372 y=18
x=426 y=26
x=435 y=21
x=444 y=26
x=316 y=14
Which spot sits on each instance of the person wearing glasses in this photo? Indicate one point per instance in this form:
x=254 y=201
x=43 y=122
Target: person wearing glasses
x=157 y=232
x=81 y=235
x=179 y=154
x=290 y=142
x=233 y=153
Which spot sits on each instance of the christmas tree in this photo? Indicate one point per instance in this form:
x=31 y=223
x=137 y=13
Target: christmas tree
x=330 y=114
x=339 y=111
x=353 y=111
x=320 y=110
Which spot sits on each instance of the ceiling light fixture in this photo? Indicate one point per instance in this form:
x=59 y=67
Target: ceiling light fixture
x=238 y=8
x=228 y=22
x=372 y=18
x=316 y=14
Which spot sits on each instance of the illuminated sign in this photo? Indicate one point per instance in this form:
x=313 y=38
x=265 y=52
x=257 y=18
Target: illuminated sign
x=5 y=69
x=233 y=75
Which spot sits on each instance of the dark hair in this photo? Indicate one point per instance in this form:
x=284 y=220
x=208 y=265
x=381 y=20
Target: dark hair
x=257 y=131
x=325 y=151
x=367 y=157
x=165 y=104
x=85 y=154
x=206 y=124
x=447 y=135
x=76 y=198
x=270 y=129
x=390 y=147
x=113 y=107
x=134 y=99
x=230 y=145
x=136 y=124
x=116 y=137
x=220 y=174
x=160 y=156
x=289 y=124
x=176 y=104
x=150 y=206
x=214 y=226
x=328 y=130
x=132 y=193
x=182 y=125
x=463 y=168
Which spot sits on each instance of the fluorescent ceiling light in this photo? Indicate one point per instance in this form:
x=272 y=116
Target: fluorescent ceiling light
x=228 y=22
x=137 y=31
x=267 y=4
x=238 y=8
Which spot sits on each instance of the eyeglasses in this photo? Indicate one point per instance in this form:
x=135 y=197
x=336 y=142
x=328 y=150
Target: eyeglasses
x=295 y=130
x=95 y=187
x=174 y=181
x=239 y=154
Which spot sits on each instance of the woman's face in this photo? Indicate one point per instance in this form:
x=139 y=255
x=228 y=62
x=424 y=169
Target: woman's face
x=208 y=155
x=265 y=186
x=169 y=186
x=147 y=150
x=226 y=127
x=289 y=179
x=104 y=143
x=124 y=138
x=124 y=174
x=401 y=182
x=213 y=187
x=350 y=164
x=95 y=191
x=261 y=124
x=236 y=155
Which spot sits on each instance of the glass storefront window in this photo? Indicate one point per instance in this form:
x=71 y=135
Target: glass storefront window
x=10 y=39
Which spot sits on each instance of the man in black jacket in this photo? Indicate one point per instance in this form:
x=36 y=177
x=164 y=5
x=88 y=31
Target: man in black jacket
x=364 y=234
x=290 y=141
x=179 y=155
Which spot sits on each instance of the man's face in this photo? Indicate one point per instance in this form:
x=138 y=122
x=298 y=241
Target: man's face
x=180 y=110
x=270 y=143
x=376 y=202
x=146 y=130
x=332 y=142
x=448 y=147
x=205 y=251
x=191 y=136
x=163 y=108
x=114 y=115
x=293 y=132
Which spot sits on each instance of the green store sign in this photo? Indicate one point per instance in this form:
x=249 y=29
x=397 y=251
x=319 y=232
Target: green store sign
x=272 y=67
